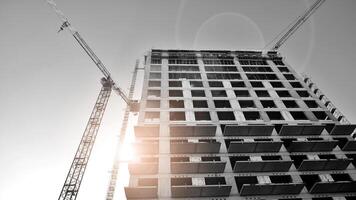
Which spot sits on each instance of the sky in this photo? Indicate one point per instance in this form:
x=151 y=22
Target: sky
x=49 y=86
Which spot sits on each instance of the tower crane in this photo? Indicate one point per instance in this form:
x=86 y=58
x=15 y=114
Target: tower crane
x=77 y=169
x=300 y=20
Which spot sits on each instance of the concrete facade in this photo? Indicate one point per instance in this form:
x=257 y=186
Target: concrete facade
x=237 y=125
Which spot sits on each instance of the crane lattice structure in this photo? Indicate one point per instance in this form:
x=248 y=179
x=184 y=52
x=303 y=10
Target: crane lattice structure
x=76 y=172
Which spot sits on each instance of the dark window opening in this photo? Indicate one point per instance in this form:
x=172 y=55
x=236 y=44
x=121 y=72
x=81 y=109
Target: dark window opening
x=309 y=180
x=277 y=84
x=268 y=104
x=218 y=93
x=257 y=69
x=179 y=159
x=298 y=115
x=198 y=93
x=289 y=76
x=200 y=104
x=283 y=69
x=283 y=93
x=327 y=156
x=175 y=93
x=247 y=104
x=177 y=116
x=320 y=115
x=296 y=84
x=303 y=93
x=202 y=116
x=341 y=177
x=341 y=141
x=262 y=93
x=311 y=104
x=242 y=93
x=221 y=68
x=176 y=103
x=210 y=158
x=241 y=180
x=215 y=84
x=196 y=84
x=275 y=115
x=288 y=141
x=181 y=181
x=237 y=84
x=223 y=76
x=154 y=83
x=290 y=104
x=278 y=62
x=154 y=75
x=234 y=159
x=222 y=104
x=298 y=159
x=184 y=76
x=183 y=68
x=281 y=179
x=257 y=84
x=262 y=76
x=253 y=115
x=175 y=83
x=253 y=62
x=271 y=157
x=226 y=115
x=215 y=181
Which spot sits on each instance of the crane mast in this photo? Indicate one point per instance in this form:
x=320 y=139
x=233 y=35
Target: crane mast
x=297 y=24
x=77 y=169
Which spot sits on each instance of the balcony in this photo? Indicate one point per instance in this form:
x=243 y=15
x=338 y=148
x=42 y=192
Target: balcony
x=243 y=164
x=273 y=185
x=346 y=144
x=343 y=129
x=256 y=146
x=195 y=146
x=324 y=162
x=145 y=189
x=146 y=147
x=146 y=131
x=309 y=145
x=199 y=187
x=187 y=165
x=192 y=131
x=337 y=183
x=248 y=130
x=297 y=130
x=145 y=166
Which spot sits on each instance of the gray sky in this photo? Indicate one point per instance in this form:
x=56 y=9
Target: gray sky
x=48 y=85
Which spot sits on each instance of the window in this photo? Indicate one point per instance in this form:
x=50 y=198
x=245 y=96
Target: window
x=268 y=104
x=262 y=93
x=257 y=69
x=183 y=68
x=311 y=104
x=148 y=182
x=156 y=61
x=278 y=62
x=196 y=84
x=177 y=116
x=253 y=115
x=226 y=115
x=262 y=76
x=152 y=115
x=303 y=93
x=181 y=181
x=298 y=115
x=283 y=69
x=289 y=76
x=296 y=84
x=242 y=93
x=321 y=115
x=277 y=84
x=182 y=61
x=257 y=84
x=153 y=104
x=253 y=62
x=175 y=83
x=222 y=104
x=223 y=76
x=202 y=116
x=154 y=83
x=216 y=84
x=155 y=75
x=176 y=103
x=218 y=61
x=198 y=93
x=155 y=68
x=184 y=76
x=290 y=104
x=275 y=115
x=283 y=93
x=281 y=179
x=247 y=104
x=221 y=68
x=237 y=84
x=200 y=104
x=153 y=93
x=215 y=181
x=175 y=93
x=218 y=93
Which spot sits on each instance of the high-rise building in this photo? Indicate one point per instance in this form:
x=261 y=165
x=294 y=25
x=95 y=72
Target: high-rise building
x=238 y=125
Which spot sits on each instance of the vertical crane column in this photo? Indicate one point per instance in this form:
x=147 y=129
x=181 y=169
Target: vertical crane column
x=115 y=168
x=81 y=158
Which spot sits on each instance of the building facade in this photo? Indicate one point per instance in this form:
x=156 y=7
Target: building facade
x=237 y=125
